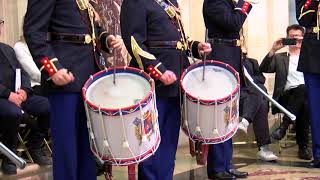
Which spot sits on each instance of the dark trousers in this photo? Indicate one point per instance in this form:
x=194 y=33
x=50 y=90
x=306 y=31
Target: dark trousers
x=11 y=116
x=72 y=158
x=313 y=88
x=295 y=101
x=160 y=166
x=219 y=157
x=254 y=107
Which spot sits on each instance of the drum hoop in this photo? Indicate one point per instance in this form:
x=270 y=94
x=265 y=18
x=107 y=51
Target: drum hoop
x=129 y=161
x=210 y=102
x=117 y=113
x=211 y=140
x=124 y=110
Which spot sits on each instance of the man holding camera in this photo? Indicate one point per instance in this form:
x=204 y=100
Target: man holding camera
x=289 y=87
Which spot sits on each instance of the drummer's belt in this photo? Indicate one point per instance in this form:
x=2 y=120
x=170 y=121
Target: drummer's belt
x=70 y=38
x=166 y=45
x=312 y=30
x=228 y=42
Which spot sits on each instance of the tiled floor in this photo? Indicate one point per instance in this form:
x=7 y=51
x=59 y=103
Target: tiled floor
x=288 y=167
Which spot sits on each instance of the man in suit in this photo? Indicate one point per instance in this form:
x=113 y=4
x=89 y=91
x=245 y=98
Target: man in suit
x=289 y=88
x=154 y=36
x=308 y=12
x=254 y=108
x=14 y=104
x=63 y=40
x=224 y=20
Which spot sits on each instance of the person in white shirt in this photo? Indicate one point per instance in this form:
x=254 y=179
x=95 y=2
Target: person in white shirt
x=25 y=59
x=289 y=87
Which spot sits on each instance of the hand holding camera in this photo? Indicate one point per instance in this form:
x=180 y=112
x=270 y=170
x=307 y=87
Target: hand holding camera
x=282 y=42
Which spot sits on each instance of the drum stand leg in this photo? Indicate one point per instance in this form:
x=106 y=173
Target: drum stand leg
x=192 y=148
x=108 y=173
x=131 y=172
x=201 y=153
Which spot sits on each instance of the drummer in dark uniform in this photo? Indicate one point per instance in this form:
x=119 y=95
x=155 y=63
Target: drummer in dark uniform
x=154 y=36
x=224 y=20
x=308 y=15
x=63 y=40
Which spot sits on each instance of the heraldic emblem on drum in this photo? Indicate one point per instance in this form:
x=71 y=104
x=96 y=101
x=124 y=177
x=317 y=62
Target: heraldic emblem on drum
x=234 y=112
x=144 y=126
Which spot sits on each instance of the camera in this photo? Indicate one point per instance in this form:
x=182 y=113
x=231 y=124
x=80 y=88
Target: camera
x=289 y=41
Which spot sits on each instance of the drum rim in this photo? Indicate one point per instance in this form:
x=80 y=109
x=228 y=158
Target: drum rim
x=216 y=140
x=91 y=79
x=131 y=160
x=204 y=101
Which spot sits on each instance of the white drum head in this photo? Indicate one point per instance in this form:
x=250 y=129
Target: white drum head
x=219 y=83
x=128 y=90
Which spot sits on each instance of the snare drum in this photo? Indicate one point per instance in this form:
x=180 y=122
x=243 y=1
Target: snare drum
x=210 y=110
x=122 y=117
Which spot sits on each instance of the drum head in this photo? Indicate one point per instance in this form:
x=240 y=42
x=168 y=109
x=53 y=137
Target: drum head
x=128 y=90
x=218 y=83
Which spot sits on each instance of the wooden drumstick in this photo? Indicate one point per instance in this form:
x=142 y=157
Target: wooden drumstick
x=204 y=57
x=114 y=69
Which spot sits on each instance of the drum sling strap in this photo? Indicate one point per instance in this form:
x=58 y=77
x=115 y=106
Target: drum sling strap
x=174 y=15
x=86 y=11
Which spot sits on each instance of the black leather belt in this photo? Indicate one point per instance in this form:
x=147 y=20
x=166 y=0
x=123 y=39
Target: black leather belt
x=70 y=38
x=229 y=42
x=312 y=30
x=166 y=45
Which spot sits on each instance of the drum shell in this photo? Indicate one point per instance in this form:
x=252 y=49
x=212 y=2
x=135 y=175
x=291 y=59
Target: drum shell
x=210 y=121
x=211 y=117
x=107 y=127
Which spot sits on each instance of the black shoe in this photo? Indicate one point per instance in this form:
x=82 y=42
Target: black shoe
x=278 y=134
x=221 y=175
x=40 y=158
x=304 y=153
x=315 y=163
x=8 y=167
x=238 y=174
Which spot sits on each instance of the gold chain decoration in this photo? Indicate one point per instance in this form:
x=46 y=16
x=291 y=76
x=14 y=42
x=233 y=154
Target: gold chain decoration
x=85 y=5
x=318 y=17
x=91 y=17
x=180 y=24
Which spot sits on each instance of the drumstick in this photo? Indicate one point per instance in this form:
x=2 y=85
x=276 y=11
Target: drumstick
x=204 y=57
x=114 y=67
